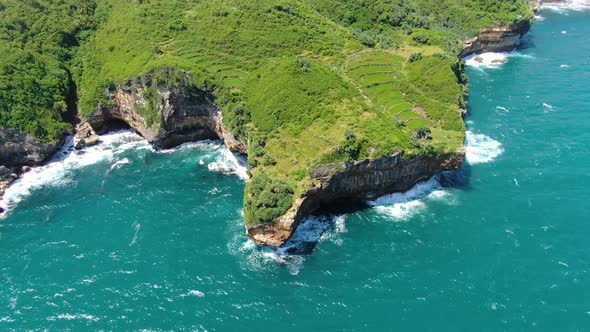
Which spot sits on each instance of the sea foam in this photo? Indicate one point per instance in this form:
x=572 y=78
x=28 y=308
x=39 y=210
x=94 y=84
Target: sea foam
x=58 y=171
x=492 y=59
x=486 y=60
x=404 y=205
x=562 y=6
x=481 y=148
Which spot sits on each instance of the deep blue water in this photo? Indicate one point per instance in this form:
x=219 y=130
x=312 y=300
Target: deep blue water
x=127 y=238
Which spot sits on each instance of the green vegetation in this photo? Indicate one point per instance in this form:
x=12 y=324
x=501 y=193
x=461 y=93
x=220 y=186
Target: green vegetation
x=36 y=40
x=266 y=199
x=302 y=82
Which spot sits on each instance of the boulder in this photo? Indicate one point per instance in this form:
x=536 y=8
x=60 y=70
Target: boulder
x=85 y=136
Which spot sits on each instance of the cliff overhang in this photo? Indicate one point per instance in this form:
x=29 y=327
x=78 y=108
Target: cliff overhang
x=362 y=180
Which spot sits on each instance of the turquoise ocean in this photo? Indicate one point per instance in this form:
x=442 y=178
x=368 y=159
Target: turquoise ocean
x=123 y=237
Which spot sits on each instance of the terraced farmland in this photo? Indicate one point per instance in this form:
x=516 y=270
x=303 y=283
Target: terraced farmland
x=221 y=68
x=378 y=75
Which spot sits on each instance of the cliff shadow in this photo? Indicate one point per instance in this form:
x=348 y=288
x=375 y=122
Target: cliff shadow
x=327 y=218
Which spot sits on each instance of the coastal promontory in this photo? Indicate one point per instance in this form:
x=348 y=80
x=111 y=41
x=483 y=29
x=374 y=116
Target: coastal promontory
x=330 y=100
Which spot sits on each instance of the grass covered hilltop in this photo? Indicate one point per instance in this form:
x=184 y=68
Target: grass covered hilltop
x=302 y=83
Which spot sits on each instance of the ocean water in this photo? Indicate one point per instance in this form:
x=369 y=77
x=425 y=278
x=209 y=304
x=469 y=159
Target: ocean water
x=123 y=237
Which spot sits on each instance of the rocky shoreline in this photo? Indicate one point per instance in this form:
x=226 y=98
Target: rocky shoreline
x=186 y=113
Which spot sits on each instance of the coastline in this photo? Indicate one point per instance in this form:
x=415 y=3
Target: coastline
x=411 y=180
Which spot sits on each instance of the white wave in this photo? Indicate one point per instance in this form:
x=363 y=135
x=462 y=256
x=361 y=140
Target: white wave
x=201 y=145
x=225 y=161
x=564 y=66
x=72 y=317
x=193 y=292
x=120 y=163
x=563 y=6
x=402 y=211
x=487 y=60
x=481 y=148
x=548 y=106
x=492 y=59
x=403 y=205
x=308 y=233
x=228 y=163
x=502 y=109
x=58 y=171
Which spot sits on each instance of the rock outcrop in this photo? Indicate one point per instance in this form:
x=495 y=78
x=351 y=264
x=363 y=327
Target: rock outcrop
x=497 y=38
x=500 y=38
x=534 y=5
x=18 y=152
x=19 y=149
x=165 y=116
x=362 y=180
x=85 y=136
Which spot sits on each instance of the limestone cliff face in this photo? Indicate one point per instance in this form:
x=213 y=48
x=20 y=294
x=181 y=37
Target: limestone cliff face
x=362 y=180
x=500 y=38
x=184 y=113
x=496 y=39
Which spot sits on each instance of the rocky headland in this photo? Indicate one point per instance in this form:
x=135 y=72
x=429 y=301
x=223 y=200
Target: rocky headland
x=186 y=113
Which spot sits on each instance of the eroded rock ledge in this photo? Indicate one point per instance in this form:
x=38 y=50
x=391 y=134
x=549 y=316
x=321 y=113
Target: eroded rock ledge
x=164 y=116
x=18 y=153
x=496 y=39
x=362 y=180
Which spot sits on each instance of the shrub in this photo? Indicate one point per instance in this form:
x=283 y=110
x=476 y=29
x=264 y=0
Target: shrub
x=423 y=133
x=421 y=37
x=415 y=57
x=266 y=199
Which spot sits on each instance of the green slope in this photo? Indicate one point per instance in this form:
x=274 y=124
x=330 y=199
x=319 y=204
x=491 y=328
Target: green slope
x=306 y=82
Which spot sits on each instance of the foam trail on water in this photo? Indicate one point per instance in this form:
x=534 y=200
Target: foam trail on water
x=481 y=148
x=58 y=171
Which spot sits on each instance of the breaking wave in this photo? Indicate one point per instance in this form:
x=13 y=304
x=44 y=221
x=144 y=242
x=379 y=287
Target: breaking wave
x=404 y=205
x=561 y=6
x=59 y=171
x=481 y=148
x=492 y=59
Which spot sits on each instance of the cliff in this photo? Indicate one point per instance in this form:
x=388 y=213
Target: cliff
x=363 y=180
x=498 y=38
x=307 y=95
x=166 y=115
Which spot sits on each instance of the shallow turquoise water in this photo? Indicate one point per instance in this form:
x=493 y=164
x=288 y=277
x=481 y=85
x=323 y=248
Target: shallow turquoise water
x=127 y=238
